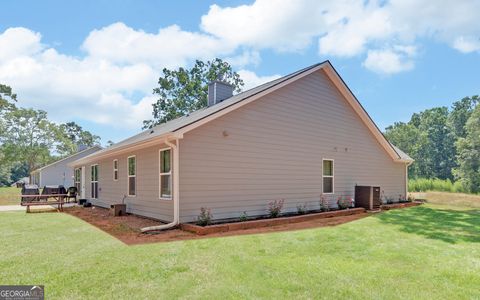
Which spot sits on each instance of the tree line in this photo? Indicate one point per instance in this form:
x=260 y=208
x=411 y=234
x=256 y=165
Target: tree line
x=28 y=139
x=445 y=143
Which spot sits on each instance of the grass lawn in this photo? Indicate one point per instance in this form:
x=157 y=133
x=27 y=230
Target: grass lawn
x=424 y=252
x=9 y=195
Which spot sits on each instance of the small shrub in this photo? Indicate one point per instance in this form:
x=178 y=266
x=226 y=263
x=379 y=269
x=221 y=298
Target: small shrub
x=275 y=208
x=401 y=199
x=243 y=217
x=344 y=203
x=302 y=209
x=324 y=203
x=205 y=217
x=389 y=200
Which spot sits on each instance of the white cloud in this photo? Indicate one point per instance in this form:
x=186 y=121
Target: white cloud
x=278 y=24
x=248 y=57
x=252 y=80
x=390 y=61
x=89 y=88
x=112 y=84
x=345 y=28
x=467 y=44
x=170 y=47
x=17 y=42
x=352 y=26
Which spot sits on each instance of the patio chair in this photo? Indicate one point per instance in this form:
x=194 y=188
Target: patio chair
x=72 y=193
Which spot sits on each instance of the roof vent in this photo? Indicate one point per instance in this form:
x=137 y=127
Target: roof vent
x=218 y=91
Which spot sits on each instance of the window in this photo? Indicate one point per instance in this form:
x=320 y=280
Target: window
x=94 y=181
x=166 y=174
x=328 y=176
x=115 y=169
x=76 y=178
x=132 y=175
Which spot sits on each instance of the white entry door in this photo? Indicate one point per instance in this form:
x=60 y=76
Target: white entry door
x=82 y=190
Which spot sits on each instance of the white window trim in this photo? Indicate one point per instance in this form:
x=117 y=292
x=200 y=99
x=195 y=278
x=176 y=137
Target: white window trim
x=91 y=181
x=115 y=169
x=168 y=173
x=79 y=182
x=128 y=176
x=329 y=176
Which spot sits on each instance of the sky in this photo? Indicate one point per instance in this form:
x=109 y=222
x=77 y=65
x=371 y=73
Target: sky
x=97 y=62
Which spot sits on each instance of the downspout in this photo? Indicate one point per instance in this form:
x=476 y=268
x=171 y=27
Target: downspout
x=176 y=190
x=406 y=178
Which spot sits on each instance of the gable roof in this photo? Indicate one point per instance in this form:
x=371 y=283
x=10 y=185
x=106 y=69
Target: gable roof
x=68 y=157
x=177 y=127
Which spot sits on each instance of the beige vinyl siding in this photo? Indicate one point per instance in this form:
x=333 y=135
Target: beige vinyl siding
x=274 y=148
x=146 y=202
x=60 y=173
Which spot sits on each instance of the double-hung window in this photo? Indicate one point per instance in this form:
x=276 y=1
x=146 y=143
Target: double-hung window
x=94 y=181
x=328 y=179
x=115 y=169
x=132 y=175
x=166 y=174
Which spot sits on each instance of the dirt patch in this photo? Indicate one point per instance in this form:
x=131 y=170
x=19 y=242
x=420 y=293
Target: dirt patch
x=127 y=228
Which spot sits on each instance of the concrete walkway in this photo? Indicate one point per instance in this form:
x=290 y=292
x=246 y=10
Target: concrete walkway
x=11 y=207
x=39 y=207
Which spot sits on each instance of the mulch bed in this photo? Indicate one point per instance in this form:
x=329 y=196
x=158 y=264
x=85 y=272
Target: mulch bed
x=235 y=226
x=127 y=228
x=399 y=205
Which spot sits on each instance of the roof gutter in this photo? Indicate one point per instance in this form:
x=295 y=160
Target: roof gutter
x=127 y=148
x=176 y=190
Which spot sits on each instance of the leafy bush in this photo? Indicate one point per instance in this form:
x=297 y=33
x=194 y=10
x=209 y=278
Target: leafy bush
x=344 y=203
x=302 y=209
x=244 y=217
x=205 y=217
x=275 y=208
x=324 y=206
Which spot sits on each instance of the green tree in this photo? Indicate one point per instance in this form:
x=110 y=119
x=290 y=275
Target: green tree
x=461 y=112
x=7 y=97
x=183 y=91
x=71 y=135
x=439 y=151
x=468 y=154
x=5 y=170
x=7 y=103
x=428 y=139
x=28 y=137
x=412 y=141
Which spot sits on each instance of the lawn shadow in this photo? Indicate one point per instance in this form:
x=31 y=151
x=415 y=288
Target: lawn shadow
x=451 y=226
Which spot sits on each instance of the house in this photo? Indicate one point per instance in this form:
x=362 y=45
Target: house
x=294 y=138
x=21 y=182
x=59 y=172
